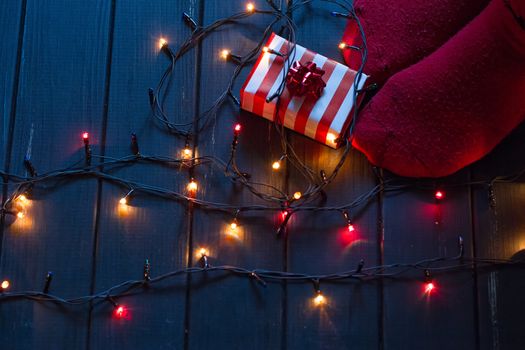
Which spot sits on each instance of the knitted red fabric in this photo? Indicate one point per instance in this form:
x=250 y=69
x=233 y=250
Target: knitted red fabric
x=455 y=105
x=401 y=32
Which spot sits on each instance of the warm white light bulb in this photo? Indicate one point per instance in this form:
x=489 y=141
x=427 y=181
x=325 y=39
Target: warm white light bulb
x=162 y=42
x=276 y=165
x=250 y=7
x=225 y=54
x=331 y=138
x=201 y=252
x=192 y=186
x=319 y=299
x=5 y=284
x=186 y=153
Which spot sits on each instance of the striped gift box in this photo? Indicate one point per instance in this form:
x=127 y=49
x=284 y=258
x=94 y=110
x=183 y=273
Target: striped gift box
x=323 y=120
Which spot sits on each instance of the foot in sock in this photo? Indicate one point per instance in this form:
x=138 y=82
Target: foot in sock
x=454 y=106
x=399 y=33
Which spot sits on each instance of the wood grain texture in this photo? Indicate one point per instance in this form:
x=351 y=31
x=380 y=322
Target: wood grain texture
x=500 y=234
x=10 y=17
x=61 y=93
x=228 y=312
x=147 y=228
x=320 y=243
x=418 y=227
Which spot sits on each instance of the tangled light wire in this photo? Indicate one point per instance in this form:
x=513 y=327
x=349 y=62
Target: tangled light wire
x=278 y=199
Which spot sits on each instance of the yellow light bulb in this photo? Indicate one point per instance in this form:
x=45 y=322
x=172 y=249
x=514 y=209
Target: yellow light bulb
x=20 y=215
x=162 y=42
x=233 y=225
x=297 y=195
x=319 y=299
x=265 y=49
x=250 y=7
x=123 y=201
x=276 y=165
x=5 y=284
x=342 y=46
x=331 y=137
x=192 y=186
x=202 y=252
x=225 y=54
x=23 y=198
x=186 y=153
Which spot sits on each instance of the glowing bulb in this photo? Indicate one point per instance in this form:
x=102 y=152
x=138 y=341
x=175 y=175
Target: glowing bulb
x=186 y=153
x=20 y=215
x=85 y=136
x=331 y=137
x=120 y=311
x=342 y=45
x=297 y=195
x=276 y=165
x=202 y=252
x=351 y=228
x=192 y=186
x=265 y=49
x=319 y=299
x=250 y=7
x=225 y=54
x=429 y=287
x=5 y=284
x=237 y=128
x=162 y=42
x=439 y=195
x=234 y=229
x=123 y=201
x=22 y=198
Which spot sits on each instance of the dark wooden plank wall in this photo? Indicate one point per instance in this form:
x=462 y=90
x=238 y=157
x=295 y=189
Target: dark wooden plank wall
x=61 y=91
x=224 y=311
x=499 y=226
x=320 y=243
x=10 y=21
x=147 y=228
x=73 y=66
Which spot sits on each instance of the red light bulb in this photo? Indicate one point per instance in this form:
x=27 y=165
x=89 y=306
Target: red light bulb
x=120 y=311
x=439 y=195
x=429 y=287
x=85 y=136
x=237 y=128
x=351 y=228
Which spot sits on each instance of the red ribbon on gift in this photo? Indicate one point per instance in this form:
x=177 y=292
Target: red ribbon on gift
x=305 y=79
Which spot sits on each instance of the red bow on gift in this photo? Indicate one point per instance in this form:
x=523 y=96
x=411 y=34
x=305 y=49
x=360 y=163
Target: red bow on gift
x=305 y=80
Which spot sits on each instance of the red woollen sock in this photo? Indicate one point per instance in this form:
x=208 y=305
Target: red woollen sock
x=454 y=106
x=401 y=32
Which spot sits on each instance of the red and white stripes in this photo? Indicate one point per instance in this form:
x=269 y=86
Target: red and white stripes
x=322 y=120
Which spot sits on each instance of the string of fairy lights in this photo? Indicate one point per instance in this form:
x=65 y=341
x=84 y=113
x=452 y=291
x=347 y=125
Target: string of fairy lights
x=287 y=204
x=428 y=268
